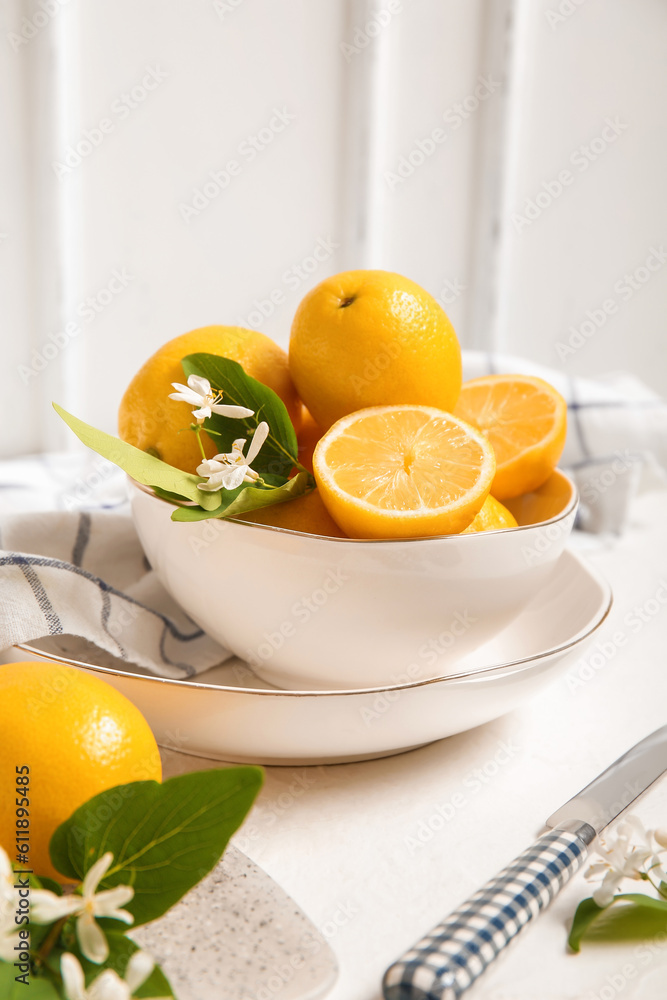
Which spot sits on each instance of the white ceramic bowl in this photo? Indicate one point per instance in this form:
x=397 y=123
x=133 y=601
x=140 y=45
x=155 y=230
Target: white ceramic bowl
x=324 y=613
x=228 y=714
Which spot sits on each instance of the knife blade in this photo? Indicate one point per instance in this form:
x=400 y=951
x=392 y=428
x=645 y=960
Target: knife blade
x=444 y=963
x=605 y=798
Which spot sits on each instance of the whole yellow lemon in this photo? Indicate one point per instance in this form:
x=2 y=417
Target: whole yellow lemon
x=493 y=516
x=372 y=338
x=309 y=435
x=149 y=420
x=306 y=513
x=66 y=736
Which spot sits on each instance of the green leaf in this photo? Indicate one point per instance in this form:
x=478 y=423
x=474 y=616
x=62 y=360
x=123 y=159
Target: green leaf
x=38 y=934
x=247 y=498
x=630 y=917
x=38 y=988
x=43 y=882
x=121 y=950
x=166 y=495
x=587 y=911
x=644 y=901
x=627 y=922
x=157 y=985
x=279 y=452
x=164 y=837
x=144 y=468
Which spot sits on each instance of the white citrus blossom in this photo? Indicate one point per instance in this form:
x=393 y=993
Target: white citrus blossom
x=47 y=907
x=633 y=853
x=7 y=888
x=226 y=472
x=9 y=899
x=108 y=985
x=198 y=393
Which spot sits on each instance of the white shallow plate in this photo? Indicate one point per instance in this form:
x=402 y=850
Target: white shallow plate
x=229 y=714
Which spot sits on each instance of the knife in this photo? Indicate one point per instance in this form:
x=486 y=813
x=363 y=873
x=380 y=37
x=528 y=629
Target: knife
x=448 y=960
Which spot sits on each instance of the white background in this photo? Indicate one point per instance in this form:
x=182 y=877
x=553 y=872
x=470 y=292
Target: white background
x=226 y=65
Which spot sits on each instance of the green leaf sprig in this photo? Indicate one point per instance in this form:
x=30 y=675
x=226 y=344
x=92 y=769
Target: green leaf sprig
x=633 y=853
x=631 y=916
x=164 y=838
x=279 y=454
x=275 y=462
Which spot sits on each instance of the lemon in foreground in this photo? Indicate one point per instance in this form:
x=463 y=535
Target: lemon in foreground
x=525 y=419
x=77 y=735
x=403 y=472
x=372 y=338
x=492 y=517
x=149 y=420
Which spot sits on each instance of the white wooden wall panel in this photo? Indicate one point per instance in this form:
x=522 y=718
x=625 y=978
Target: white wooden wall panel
x=18 y=419
x=366 y=102
x=260 y=68
x=429 y=212
x=218 y=71
x=603 y=61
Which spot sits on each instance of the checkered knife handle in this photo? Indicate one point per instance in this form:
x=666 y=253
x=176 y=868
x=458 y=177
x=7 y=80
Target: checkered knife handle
x=448 y=960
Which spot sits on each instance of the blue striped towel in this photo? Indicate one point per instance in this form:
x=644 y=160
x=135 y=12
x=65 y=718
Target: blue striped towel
x=71 y=563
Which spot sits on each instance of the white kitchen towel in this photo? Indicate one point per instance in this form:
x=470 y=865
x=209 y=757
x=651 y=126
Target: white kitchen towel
x=71 y=563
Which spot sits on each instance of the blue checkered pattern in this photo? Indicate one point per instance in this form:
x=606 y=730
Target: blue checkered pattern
x=448 y=960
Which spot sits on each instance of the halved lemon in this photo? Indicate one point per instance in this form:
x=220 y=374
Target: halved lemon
x=403 y=472
x=525 y=419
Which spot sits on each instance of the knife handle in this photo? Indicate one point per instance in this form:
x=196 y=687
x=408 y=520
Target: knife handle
x=448 y=960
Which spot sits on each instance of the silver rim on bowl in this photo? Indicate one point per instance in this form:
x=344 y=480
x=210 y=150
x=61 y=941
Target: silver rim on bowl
x=567 y=510
x=515 y=666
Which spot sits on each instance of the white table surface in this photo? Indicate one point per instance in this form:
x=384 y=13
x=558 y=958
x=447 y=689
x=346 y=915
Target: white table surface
x=344 y=840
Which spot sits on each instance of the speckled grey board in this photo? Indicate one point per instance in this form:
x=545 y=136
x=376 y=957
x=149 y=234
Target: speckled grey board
x=238 y=936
